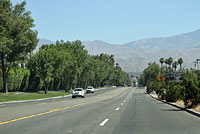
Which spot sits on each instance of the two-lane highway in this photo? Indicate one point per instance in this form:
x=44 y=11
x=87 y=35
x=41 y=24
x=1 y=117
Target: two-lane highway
x=111 y=111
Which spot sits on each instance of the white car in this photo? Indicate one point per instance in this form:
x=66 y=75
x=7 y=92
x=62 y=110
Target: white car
x=78 y=92
x=90 y=89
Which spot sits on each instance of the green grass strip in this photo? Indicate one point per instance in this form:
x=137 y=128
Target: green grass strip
x=16 y=96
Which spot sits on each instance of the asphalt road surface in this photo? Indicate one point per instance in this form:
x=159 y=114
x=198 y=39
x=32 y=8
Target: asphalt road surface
x=122 y=110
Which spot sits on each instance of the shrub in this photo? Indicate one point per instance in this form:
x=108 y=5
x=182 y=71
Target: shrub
x=191 y=90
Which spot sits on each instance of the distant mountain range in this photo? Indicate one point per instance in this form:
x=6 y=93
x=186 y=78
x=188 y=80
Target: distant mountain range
x=183 y=41
x=134 y=56
x=43 y=41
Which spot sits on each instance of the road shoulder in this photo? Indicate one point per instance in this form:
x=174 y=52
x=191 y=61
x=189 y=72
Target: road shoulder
x=191 y=111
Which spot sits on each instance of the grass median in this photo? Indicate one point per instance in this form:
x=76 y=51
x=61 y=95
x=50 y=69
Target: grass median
x=17 y=96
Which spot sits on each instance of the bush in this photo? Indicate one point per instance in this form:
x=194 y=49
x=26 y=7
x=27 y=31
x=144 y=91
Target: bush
x=174 y=92
x=191 y=91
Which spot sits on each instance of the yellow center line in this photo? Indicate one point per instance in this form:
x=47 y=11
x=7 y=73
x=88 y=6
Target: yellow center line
x=41 y=103
x=3 y=108
x=47 y=103
x=59 y=109
x=20 y=106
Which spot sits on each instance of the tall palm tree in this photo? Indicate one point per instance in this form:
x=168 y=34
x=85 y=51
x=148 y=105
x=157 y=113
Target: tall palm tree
x=170 y=61
x=195 y=65
x=180 y=62
x=166 y=63
x=162 y=60
x=175 y=65
x=112 y=60
x=197 y=61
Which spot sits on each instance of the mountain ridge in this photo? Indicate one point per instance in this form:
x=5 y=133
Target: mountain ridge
x=134 y=56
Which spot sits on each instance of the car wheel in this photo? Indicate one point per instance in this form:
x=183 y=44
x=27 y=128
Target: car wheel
x=73 y=97
x=83 y=96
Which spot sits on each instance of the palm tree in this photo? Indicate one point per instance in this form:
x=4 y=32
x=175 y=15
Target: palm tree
x=195 y=65
x=175 y=65
x=162 y=60
x=170 y=61
x=180 y=62
x=197 y=62
x=112 y=60
x=166 y=62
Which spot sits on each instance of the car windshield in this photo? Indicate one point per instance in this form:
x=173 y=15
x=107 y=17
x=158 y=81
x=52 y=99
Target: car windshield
x=78 y=89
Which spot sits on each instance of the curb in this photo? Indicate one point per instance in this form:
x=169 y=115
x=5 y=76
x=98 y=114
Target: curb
x=179 y=107
x=22 y=101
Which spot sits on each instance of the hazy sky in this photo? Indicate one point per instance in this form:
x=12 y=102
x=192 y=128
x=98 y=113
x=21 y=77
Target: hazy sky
x=114 y=21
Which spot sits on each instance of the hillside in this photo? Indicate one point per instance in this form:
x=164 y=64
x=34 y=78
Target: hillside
x=183 y=41
x=134 y=56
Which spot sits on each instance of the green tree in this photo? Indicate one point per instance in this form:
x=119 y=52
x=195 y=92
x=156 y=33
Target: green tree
x=48 y=64
x=195 y=65
x=170 y=61
x=80 y=54
x=175 y=65
x=44 y=67
x=180 y=62
x=166 y=63
x=67 y=65
x=150 y=75
x=191 y=90
x=162 y=60
x=17 y=37
x=112 y=60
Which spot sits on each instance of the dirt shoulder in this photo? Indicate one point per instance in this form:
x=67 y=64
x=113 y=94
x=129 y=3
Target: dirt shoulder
x=179 y=103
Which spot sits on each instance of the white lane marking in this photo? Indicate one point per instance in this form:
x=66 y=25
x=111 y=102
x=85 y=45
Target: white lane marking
x=117 y=109
x=104 y=122
x=69 y=131
x=122 y=104
x=127 y=98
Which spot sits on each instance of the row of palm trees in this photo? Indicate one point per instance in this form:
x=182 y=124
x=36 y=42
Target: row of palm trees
x=171 y=64
x=196 y=64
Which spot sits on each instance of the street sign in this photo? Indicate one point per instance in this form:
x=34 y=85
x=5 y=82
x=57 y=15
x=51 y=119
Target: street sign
x=161 y=78
x=177 y=76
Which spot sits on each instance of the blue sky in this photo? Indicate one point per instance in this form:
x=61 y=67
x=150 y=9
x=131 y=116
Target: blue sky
x=114 y=21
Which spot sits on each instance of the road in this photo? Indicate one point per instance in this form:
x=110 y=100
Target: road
x=122 y=110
